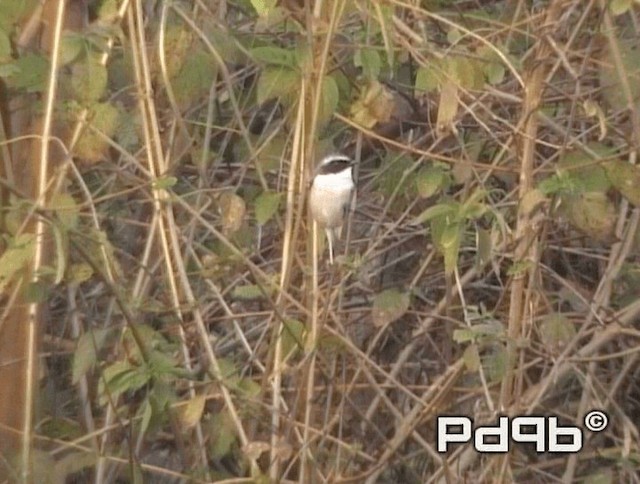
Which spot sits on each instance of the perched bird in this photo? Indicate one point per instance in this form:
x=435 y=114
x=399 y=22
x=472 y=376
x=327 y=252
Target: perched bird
x=330 y=195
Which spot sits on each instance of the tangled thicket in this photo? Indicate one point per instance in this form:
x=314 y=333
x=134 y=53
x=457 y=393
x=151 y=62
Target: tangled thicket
x=490 y=266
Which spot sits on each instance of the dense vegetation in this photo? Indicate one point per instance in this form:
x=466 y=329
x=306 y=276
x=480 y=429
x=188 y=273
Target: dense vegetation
x=167 y=312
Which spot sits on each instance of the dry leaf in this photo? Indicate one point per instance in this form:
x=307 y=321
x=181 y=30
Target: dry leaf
x=253 y=450
x=448 y=108
x=232 y=209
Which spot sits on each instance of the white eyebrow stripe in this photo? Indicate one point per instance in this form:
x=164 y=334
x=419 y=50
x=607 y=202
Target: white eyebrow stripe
x=337 y=157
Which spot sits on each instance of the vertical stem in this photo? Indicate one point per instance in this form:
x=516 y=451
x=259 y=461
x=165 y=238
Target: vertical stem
x=35 y=309
x=525 y=235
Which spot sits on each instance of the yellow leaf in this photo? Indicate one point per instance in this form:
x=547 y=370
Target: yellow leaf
x=79 y=273
x=448 y=107
x=232 y=209
x=471 y=358
x=374 y=106
x=191 y=413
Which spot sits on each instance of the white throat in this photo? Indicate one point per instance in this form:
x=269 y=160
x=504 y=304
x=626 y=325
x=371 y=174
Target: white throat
x=343 y=180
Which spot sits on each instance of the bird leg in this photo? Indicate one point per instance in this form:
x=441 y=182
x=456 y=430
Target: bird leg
x=329 y=233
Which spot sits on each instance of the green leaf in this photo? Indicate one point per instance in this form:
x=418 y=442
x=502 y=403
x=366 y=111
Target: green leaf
x=88 y=79
x=66 y=209
x=229 y=372
x=193 y=81
x=16 y=257
x=445 y=209
x=303 y=56
x=492 y=65
x=247 y=292
x=293 y=337
x=108 y=11
x=61 y=428
x=391 y=175
x=518 y=268
x=429 y=78
x=223 y=434
x=454 y=35
x=389 y=306
x=626 y=178
x=164 y=182
x=263 y=7
x=495 y=363
x=274 y=56
x=611 y=86
x=12 y=12
x=618 y=7
x=473 y=208
x=592 y=213
x=471 y=358
x=8 y=70
x=556 y=331
x=249 y=388
x=121 y=377
x=227 y=45
x=266 y=206
x=71 y=46
x=463 y=335
x=85 y=355
x=484 y=247
x=586 y=173
x=447 y=236
x=450 y=236
x=30 y=73
x=163 y=364
x=329 y=100
x=270 y=157
x=450 y=241
x=430 y=180
x=126 y=132
x=92 y=146
x=387 y=29
x=277 y=82
x=557 y=184
x=36 y=292
x=147 y=415
x=370 y=62
x=5 y=46
x=466 y=72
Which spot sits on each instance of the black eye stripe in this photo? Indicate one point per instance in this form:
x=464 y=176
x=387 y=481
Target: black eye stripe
x=335 y=166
